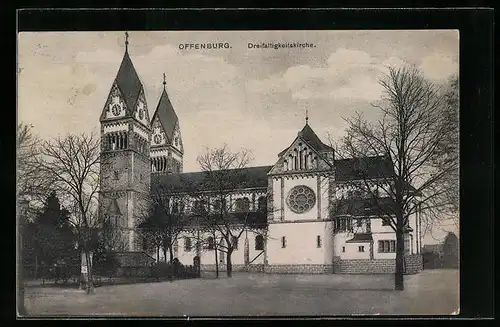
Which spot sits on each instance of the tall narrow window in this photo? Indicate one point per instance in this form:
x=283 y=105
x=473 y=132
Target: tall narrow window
x=283 y=242
x=210 y=243
x=176 y=248
x=235 y=243
x=259 y=243
x=318 y=241
x=262 y=203
x=246 y=204
x=361 y=248
x=217 y=206
x=187 y=244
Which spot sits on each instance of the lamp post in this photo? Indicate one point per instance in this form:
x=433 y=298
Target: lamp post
x=23 y=210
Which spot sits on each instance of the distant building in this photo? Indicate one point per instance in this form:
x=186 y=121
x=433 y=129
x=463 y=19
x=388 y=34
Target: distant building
x=299 y=233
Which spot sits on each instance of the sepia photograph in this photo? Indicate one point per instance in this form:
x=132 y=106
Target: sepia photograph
x=238 y=173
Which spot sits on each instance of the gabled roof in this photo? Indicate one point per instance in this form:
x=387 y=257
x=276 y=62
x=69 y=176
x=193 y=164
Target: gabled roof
x=359 y=168
x=361 y=238
x=166 y=114
x=312 y=139
x=251 y=177
x=128 y=82
x=113 y=208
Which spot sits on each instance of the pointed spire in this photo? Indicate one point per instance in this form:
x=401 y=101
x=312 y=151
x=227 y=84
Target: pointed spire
x=126 y=41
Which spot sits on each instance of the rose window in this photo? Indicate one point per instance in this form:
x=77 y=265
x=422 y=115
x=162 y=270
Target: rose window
x=301 y=199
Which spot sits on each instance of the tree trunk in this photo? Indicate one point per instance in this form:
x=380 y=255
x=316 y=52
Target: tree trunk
x=229 y=265
x=20 y=274
x=157 y=254
x=399 y=273
x=216 y=263
x=90 y=280
x=164 y=254
x=171 y=252
x=36 y=266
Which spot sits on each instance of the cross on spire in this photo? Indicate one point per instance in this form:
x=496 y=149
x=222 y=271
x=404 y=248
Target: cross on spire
x=307 y=117
x=126 y=41
x=164 y=80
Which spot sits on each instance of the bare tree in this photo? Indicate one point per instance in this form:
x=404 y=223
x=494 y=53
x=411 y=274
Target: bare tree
x=73 y=164
x=32 y=183
x=408 y=138
x=449 y=145
x=164 y=220
x=223 y=175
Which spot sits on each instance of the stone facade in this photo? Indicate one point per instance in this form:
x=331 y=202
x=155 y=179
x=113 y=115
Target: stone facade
x=413 y=265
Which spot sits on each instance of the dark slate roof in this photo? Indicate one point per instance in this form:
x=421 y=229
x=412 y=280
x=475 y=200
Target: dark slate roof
x=113 y=208
x=166 y=114
x=361 y=207
x=359 y=168
x=251 y=177
x=128 y=82
x=310 y=137
x=252 y=219
x=360 y=238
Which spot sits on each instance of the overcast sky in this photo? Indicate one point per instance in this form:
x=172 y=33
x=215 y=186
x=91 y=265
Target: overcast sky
x=247 y=98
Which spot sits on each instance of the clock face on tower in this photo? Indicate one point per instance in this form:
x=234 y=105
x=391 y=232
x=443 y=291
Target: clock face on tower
x=157 y=138
x=116 y=109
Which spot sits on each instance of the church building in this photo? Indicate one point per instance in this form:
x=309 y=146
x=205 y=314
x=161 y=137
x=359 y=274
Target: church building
x=315 y=220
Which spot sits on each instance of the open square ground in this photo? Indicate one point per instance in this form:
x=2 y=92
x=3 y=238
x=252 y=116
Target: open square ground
x=432 y=292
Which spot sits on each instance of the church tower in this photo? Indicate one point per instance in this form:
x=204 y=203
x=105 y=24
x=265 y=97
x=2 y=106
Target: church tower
x=166 y=143
x=125 y=170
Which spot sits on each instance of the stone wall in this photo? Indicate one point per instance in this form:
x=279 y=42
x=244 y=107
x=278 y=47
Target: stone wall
x=376 y=266
x=298 y=269
x=414 y=264
x=236 y=267
x=350 y=266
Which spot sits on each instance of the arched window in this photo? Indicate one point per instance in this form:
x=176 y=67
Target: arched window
x=234 y=242
x=175 y=207
x=198 y=206
x=239 y=205
x=259 y=242
x=187 y=244
x=262 y=204
x=246 y=204
x=217 y=206
x=210 y=243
